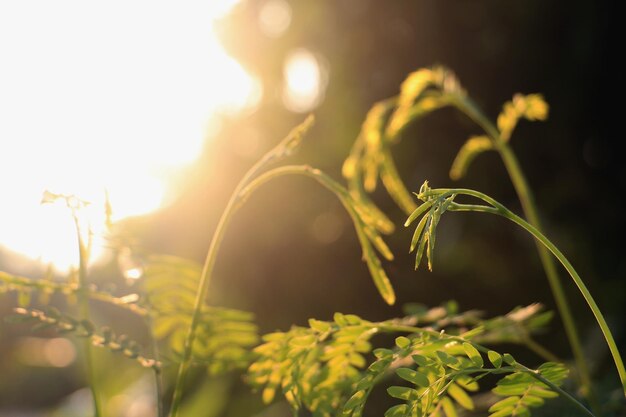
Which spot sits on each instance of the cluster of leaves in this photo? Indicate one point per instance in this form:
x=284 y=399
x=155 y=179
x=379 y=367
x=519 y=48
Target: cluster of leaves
x=438 y=369
x=435 y=202
x=423 y=92
x=523 y=390
x=530 y=107
x=224 y=336
x=104 y=337
x=424 y=235
x=315 y=366
x=322 y=368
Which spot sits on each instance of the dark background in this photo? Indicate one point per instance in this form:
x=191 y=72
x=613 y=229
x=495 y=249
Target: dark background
x=271 y=263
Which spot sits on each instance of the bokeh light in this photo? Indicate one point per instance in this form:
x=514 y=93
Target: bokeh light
x=56 y=352
x=305 y=81
x=275 y=18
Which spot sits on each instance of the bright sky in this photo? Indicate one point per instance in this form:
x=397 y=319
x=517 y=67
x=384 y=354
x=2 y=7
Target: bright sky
x=112 y=95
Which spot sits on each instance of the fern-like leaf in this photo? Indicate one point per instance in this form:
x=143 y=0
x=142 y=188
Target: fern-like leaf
x=422 y=92
x=370 y=158
x=314 y=367
x=523 y=391
x=224 y=336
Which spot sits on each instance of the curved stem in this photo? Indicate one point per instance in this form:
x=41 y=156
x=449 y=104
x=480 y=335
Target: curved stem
x=203 y=286
x=285 y=148
x=305 y=170
x=529 y=207
x=369 y=256
x=83 y=304
x=239 y=196
x=500 y=210
x=583 y=289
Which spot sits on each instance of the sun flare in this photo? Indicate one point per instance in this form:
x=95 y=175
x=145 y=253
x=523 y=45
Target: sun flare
x=111 y=96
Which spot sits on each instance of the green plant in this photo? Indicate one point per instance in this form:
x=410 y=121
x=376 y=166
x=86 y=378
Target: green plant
x=330 y=368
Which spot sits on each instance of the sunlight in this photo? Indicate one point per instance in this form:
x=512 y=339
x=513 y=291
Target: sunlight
x=112 y=96
x=305 y=81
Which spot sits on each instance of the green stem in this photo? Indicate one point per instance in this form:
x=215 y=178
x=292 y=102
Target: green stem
x=158 y=378
x=500 y=210
x=285 y=148
x=305 y=170
x=530 y=211
x=83 y=300
x=205 y=280
x=238 y=197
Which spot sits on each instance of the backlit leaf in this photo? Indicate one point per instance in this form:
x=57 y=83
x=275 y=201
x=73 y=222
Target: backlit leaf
x=470 y=150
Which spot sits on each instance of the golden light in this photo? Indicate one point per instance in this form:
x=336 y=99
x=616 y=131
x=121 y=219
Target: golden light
x=137 y=400
x=112 y=96
x=57 y=352
x=305 y=81
x=275 y=18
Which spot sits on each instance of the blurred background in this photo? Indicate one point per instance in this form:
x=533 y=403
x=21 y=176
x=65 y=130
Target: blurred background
x=166 y=105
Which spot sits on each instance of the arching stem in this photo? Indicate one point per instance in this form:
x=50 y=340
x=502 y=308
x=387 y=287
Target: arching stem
x=525 y=195
x=500 y=210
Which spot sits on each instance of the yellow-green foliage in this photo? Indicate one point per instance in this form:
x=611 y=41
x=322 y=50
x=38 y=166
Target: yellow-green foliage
x=323 y=368
x=224 y=336
x=531 y=107
x=315 y=367
x=470 y=150
x=423 y=92
x=523 y=391
x=330 y=368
